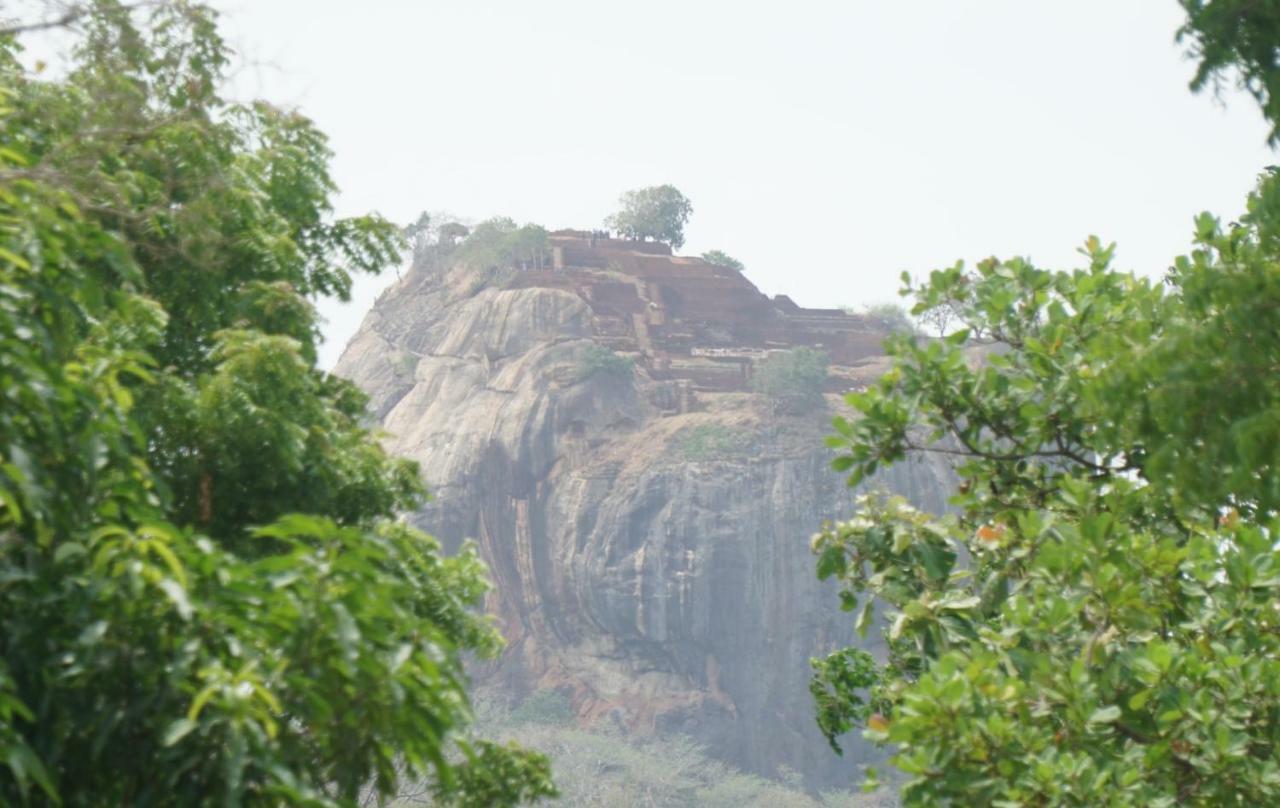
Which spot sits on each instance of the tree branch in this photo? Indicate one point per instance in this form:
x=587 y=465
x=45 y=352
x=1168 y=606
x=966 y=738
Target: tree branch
x=67 y=19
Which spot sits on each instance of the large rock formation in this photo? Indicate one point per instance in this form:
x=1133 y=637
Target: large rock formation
x=646 y=517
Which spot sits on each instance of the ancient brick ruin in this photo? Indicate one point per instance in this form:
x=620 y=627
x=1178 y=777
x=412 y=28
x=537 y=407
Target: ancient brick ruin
x=687 y=319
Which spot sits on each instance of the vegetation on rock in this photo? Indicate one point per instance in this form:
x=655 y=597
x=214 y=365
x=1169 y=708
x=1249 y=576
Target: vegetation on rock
x=711 y=441
x=793 y=380
x=500 y=243
x=203 y=595
x=598 y=358
x=722 y=259
x=657 y=213
x=543 y=707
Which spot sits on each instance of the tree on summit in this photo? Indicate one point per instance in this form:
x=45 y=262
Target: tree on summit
x=658 y=213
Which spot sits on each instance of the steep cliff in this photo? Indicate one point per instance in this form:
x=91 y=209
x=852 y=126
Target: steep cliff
x=646 y=517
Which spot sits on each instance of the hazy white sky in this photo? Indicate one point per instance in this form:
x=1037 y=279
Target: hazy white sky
x=828 y=145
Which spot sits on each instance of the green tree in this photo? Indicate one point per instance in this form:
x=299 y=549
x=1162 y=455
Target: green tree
x=531 y=247
x=722 y=259
x=499 y=243
x=204 y=596
x=659 y=213
x=1096 y=623
x=792 y=381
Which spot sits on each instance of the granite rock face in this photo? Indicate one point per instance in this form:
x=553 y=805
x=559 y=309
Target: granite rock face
x=646 y=522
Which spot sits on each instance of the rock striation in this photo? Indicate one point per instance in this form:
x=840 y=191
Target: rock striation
x=646 y=518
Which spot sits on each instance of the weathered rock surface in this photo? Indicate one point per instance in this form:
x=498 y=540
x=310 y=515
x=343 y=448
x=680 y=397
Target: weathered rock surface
x=647 y=530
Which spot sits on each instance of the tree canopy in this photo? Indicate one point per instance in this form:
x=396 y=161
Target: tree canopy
x=1096 y=622
x=499 y=243
x=204 y=594
x=659 y=213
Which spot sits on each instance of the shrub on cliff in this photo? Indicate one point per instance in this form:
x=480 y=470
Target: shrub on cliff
x=712 y=441
x=600 y=359
x=1097 y=622
x=657 y=213
x=722 y=259
x=792 y=380
x=204 y=596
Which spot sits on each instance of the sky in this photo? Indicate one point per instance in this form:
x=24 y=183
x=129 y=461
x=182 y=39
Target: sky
x=828 y=145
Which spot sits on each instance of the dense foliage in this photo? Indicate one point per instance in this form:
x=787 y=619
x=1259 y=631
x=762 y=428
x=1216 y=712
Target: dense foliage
x=203 y=598
x=1112 y=629
x=657 y=213
x=1097 y=623
x=792 y=381
x=500 y=243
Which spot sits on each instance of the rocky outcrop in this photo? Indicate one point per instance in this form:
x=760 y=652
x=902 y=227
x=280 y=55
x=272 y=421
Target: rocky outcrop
x=647 y=527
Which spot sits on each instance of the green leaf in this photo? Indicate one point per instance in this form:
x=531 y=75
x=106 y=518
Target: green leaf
x=177 y=594
x=176 y=731
x=14 y=259
x=957 y=602
x=864 y=617
x=24 y=765
x=959 y=337
x=93 y=633
x=68 y=550
x=831 y=561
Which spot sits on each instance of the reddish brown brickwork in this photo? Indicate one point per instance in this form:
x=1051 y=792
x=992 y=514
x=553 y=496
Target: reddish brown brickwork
x=688 y=319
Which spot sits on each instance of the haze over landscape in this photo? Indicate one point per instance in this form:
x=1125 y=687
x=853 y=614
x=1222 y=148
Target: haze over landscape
x=816 y=148
x=494 y=404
